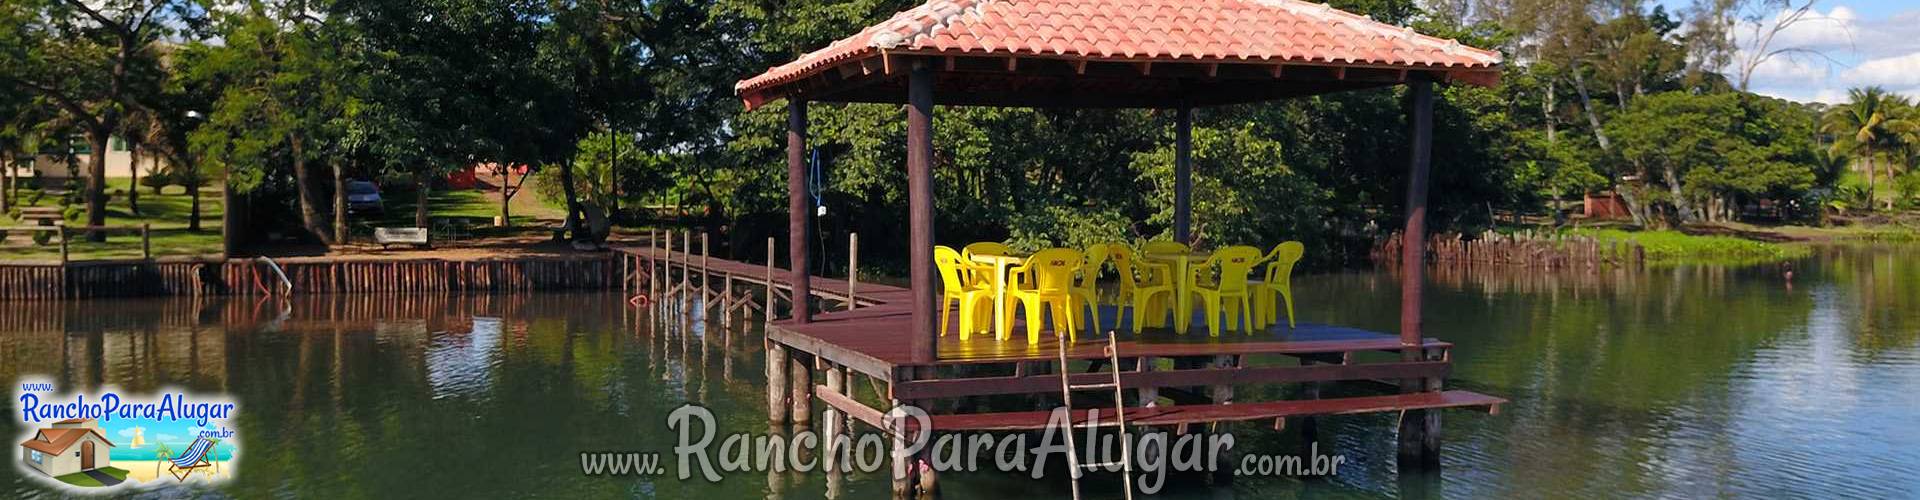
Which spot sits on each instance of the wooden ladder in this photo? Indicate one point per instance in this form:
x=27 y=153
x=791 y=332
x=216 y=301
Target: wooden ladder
x=1067 y=388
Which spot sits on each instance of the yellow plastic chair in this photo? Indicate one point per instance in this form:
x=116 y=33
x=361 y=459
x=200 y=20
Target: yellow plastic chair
x=1229 y=287
x=1278 y=281
x=1046 y=279
x=956 y=286
x=1086 y=288
x=1147 y=298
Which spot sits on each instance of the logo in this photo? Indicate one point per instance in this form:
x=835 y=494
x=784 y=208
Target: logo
x=106 y=440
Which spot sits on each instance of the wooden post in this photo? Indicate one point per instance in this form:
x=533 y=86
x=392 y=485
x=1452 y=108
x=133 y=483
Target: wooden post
x=776 y=383
x=853 y=269
x=920 y=208
x=63 y=244
x=1183 y=175
x=686 y=263
x=666 y=267
x=799 y=229
x=835 y=421
x=146 y=241
x=706 y=276
x=768 y=316
x=801 y=383
x=1413 y=432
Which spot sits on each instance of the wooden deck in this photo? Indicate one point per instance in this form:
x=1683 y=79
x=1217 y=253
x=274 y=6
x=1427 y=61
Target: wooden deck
x=872 y=339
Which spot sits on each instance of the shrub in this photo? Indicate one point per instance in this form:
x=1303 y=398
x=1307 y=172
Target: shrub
x=157 y=181
x=42 y=238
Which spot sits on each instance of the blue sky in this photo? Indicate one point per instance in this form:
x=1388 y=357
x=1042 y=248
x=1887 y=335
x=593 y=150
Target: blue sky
x=1858 y=42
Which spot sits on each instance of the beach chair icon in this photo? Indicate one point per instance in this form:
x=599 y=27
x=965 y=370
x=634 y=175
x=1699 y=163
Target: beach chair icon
x=195 y=458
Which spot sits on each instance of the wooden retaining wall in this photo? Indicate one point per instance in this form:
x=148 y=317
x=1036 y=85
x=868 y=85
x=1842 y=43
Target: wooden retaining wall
x=1526 y=249
x=150 y=278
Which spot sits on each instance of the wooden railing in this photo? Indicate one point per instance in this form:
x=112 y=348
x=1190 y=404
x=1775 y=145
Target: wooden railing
x=65 y=234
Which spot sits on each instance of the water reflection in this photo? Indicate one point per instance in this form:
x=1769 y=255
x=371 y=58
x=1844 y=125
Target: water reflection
x=1688 y=381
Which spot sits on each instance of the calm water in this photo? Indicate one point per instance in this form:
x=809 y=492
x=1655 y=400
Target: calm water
x=1688 y=382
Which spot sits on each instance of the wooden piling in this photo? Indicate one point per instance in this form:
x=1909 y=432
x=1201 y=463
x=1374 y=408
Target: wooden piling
x=777 y=392
x=800 y=382
x=853 y=269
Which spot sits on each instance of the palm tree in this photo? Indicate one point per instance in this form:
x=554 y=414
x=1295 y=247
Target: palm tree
x=1859 y=127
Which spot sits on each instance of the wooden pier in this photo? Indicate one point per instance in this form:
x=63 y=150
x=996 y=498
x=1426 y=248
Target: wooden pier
x=865 y=329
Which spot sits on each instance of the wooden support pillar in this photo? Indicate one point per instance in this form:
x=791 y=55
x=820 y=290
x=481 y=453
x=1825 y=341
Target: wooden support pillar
x=686 y=267
x=799 y=229
x=1183 y=175
x=853 y=269
x=767 y=313
x=776 y=383
x=1419 y=429
x=706 y=276
x=837 y=424
x=920 y=207
x=801 y=382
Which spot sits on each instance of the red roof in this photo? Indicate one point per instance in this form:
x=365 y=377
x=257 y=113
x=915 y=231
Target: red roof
x=57 y=441
x=1227 y=31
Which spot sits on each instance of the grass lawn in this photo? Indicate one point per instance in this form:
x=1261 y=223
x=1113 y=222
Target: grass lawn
x=82 y=479
x=167 y=214
x=471 y=210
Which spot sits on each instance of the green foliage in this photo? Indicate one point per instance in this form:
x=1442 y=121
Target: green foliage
x=1678 y=247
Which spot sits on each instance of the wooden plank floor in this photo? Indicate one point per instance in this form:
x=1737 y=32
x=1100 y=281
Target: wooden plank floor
x=882 y=337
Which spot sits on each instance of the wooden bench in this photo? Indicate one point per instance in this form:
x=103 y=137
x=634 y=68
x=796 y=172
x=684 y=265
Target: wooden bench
x=45 y=216
x=388 y=236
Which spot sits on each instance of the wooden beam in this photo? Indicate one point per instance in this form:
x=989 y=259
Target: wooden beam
x=799 y=217
x=1043 y=384
x=1279 y=69
x=1080 y=67
x=923 y=342
x=1213 y=70
x=1146 y=68
x=851 y=407
x=1013 y=64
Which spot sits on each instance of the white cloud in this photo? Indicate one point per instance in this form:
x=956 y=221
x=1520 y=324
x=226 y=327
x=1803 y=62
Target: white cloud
x=1779 y=70
x=1898 y=71
x=1814 y=30
x=1829 y=52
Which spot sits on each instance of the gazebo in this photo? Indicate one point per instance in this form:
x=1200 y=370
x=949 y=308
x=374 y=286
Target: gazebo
x=1160 y=54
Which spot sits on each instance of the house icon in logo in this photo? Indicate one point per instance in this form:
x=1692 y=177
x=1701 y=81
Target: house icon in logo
x=71 y=446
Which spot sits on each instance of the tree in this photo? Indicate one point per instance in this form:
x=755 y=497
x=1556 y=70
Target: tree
x=91 y=59
x=284 y=80
x=1860 y=127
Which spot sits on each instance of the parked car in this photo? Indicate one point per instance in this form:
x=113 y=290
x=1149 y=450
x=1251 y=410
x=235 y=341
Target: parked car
x=364 y=197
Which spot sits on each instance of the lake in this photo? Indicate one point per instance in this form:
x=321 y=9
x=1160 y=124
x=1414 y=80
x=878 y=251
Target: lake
x=1690 y=381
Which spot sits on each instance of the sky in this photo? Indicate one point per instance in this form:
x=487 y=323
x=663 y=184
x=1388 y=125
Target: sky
x=1859 y=43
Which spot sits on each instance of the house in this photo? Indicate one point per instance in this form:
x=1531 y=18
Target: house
x=70 y=446
x=50 y=162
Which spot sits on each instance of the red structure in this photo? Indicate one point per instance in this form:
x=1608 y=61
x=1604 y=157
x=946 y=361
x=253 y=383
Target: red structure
x=1165 y=54
x=1604 y=205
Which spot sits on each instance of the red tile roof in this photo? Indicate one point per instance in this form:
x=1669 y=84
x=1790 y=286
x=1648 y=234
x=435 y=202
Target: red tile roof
x=57 y=441
x=1248 y=31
